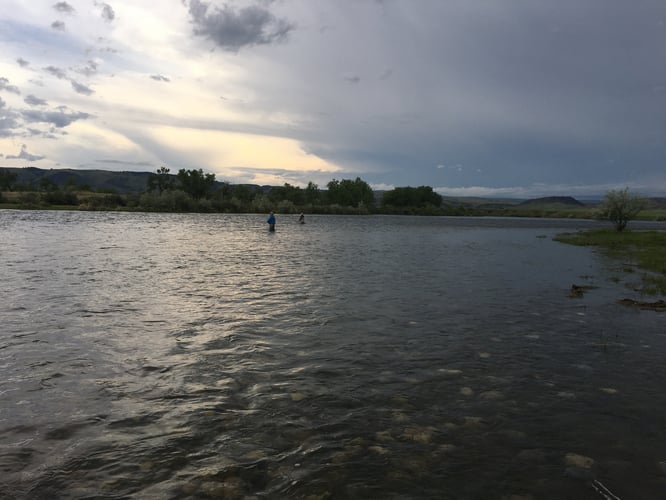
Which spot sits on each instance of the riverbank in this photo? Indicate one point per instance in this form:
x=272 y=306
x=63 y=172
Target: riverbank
x=180 y=203
x=639 y=251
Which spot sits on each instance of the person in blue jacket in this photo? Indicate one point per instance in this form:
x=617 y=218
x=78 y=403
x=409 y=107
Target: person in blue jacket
x=271 y=222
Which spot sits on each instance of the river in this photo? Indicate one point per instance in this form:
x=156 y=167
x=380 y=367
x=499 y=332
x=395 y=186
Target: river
x=200 y=356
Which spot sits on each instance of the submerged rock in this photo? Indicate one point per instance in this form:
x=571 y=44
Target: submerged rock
x=383 y=436
x=449 y=371
x=577 y=291
x=421 y=435
x=579 y=473
x=491 y=395
x=576 y=460
x=467 y=391
x=659 y=305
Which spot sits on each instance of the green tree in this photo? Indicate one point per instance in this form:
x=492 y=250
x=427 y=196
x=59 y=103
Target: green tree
x=46 y=184
x=410 y=197
x=294 y=194
x=348 y=193
x=7 y=180
x=195 y=183
x=160 y=180
x=312 y=194
x=620 y=207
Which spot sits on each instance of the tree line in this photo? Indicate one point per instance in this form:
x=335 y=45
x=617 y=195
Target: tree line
x=194 y=190
x=197 y=191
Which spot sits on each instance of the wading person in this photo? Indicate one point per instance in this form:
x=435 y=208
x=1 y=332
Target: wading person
x=301 y=218
x=271 y=222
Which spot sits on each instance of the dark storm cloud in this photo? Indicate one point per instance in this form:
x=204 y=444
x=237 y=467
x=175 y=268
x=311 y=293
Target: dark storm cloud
x=160 y=78
x=60 y=118
x=24 y=155
x=58 y=25
x=517 y=92
x=79 y=88
x=34 y=101
x=22 y=62
x=64 y=7
x=4 y=85
x=234 y=28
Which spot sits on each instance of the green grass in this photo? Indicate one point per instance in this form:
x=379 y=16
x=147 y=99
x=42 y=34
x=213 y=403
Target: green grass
x=644 y=249
x=657 y=214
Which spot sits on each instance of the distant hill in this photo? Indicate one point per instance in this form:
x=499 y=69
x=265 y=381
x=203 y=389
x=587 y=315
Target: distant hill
x=655 y=203
x=99 y=180
x=552 y=202
x=479 y=202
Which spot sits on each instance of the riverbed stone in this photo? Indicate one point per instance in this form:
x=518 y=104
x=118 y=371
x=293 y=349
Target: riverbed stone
x=450 y=371
x=534 y=455
x=491 y=395
x=576 y=460
x=383 y=436
x=379 y=450
x=421 y=435
x=399 y=416
x=254 y=455
x=581 y=473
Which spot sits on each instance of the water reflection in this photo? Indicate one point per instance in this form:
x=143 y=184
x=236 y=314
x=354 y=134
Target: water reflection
x=171 y=356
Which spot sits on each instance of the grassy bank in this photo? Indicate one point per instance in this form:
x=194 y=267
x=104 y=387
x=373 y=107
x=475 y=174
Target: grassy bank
x=642 y=250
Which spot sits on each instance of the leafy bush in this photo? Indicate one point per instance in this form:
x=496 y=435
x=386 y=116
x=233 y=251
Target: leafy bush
x=620 y=207
x=60 y=198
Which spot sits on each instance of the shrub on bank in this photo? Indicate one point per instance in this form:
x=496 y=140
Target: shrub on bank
x=60 y=198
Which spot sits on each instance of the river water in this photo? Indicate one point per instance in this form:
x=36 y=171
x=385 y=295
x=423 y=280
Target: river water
x=200 y=356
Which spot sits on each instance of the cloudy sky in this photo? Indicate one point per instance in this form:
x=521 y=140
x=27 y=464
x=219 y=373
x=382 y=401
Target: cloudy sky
x=471 y=97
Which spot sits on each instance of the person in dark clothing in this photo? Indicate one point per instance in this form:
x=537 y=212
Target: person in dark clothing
x=271 y=222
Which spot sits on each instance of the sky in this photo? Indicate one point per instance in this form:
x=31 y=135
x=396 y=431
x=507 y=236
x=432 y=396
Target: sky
x=493 y=98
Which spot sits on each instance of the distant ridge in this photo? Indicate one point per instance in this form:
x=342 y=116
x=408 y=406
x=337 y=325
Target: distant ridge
x=552 y=202
x=99 y=180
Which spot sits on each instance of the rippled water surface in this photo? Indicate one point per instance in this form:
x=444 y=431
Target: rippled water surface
x=199 y=356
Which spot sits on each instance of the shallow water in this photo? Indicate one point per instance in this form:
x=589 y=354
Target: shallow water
x=176 y=356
